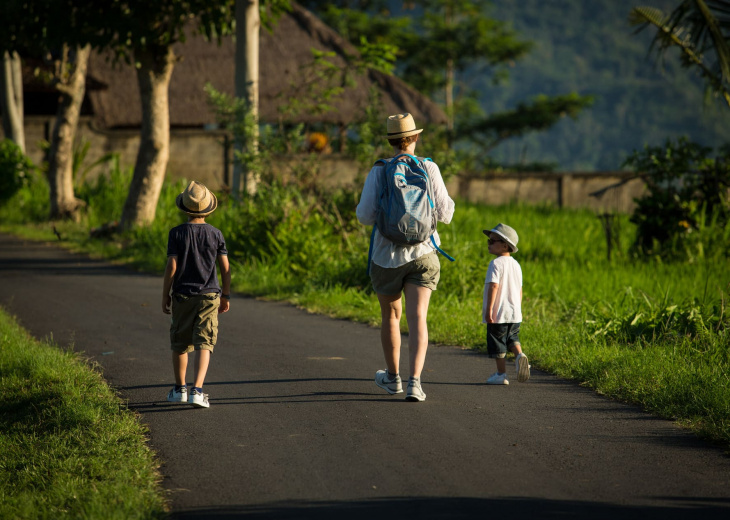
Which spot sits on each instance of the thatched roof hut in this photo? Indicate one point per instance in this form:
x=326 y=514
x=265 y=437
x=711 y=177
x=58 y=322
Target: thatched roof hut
x=284 y=55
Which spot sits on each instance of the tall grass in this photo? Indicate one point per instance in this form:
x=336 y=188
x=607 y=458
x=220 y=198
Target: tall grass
x=638 y=329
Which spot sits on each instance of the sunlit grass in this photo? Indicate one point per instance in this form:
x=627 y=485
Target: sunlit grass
x=70 y=448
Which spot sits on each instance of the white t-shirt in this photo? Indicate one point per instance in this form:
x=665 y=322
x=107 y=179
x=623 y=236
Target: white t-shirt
x=386 y=253
x=505 y=271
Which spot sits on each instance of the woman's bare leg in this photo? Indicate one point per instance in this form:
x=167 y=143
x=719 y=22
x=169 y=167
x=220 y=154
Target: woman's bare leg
x=391 y=310
x=417 y=300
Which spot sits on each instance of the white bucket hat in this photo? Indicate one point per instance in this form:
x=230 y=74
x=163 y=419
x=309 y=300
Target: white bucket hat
x=196 y=200
x=507 y=233
x=402 y=125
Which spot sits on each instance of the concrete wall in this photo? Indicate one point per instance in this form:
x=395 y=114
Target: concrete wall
x=572 y=190
x=201 y=155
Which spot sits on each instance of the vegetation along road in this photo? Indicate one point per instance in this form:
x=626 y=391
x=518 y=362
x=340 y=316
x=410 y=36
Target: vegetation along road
x=297 y=428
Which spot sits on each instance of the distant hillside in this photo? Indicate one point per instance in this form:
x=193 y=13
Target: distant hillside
x=587 y=46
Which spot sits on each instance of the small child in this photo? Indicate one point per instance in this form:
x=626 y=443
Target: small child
x=191 y=291
x=502 y=306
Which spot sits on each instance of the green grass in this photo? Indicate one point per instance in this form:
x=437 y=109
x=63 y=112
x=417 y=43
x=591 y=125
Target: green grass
x=641 y=330
x=69 y=447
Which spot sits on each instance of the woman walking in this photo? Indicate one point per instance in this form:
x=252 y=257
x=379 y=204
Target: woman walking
x=397 y=270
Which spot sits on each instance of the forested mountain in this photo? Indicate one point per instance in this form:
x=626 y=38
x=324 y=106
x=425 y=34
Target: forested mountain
x=587 y=46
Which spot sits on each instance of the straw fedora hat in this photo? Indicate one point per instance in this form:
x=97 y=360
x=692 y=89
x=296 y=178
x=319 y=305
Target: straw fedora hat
x=402 y=125
x=507 y=233
x=196 y=200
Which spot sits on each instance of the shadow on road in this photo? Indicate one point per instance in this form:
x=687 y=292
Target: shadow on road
x=465 y=508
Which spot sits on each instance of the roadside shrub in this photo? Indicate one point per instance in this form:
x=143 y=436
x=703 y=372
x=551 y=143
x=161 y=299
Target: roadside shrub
x=105 y=194
x=15 y=170
x=315 y=236
x=687 y=191
x=646 y=320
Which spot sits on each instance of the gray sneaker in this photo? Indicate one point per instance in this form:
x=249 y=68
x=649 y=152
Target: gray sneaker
x=392 y=386
x=522 y=364
x=178 y=397
x=414 y=392
x=198 y=399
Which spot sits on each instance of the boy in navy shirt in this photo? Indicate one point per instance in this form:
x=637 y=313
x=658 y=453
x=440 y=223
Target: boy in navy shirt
x=191 y=292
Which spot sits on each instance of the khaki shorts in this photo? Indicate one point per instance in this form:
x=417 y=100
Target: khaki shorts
x=423 y=271
x=194 y=323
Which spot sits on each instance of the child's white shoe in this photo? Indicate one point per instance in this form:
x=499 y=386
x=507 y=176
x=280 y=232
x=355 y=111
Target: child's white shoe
x=498 y=379
x=522 y=366
x=198 y=399
x=178 y=396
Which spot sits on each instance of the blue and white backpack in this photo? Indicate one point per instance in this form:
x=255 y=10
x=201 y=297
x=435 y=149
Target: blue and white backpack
x=406 y=213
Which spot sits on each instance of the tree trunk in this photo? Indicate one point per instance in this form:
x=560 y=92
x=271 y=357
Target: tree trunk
x=153 y=77
x=248 y=24
x=72 y=86
x=11 y=101
x=449 y=94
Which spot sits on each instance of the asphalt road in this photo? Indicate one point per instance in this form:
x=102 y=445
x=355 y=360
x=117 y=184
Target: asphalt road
x=298 y=429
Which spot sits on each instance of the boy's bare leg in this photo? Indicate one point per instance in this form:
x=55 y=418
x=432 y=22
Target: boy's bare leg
x=502 y=362
x=417 y=299
x=501 y=365
x=202 y=360
x=180 y=365
x=391 y=310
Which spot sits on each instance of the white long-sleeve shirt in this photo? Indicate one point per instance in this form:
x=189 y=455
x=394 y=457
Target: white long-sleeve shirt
x=386 y=253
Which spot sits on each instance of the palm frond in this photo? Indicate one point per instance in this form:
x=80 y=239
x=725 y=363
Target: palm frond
x=694 y=28
x=647 y=15
x=719 y=40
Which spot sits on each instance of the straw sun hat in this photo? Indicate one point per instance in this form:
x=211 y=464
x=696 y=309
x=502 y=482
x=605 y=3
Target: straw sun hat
x=402 y=125
x=196 y=200
x=507 y=233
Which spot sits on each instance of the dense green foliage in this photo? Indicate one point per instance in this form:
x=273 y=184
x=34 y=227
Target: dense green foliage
x=70 y=449
x=15 y=169
x=687 y=201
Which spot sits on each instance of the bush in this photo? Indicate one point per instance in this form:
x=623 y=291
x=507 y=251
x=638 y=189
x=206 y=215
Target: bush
x=15 y=170
x=687 y=190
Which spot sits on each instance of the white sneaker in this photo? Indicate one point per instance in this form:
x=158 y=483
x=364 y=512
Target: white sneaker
x=198 y=399
x=522 y=365
x=392 y=386
x=498 y=379
x=178 y=397
x=414 y=392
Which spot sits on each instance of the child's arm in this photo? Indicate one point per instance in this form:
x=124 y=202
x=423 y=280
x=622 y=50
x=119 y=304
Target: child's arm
x=491 y=297
x=225 y=268
x=168 y=277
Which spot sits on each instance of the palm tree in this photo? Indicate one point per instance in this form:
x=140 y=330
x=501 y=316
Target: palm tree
x=701 y=30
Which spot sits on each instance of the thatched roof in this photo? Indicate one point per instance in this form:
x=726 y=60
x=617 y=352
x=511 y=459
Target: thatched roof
x=283 y=54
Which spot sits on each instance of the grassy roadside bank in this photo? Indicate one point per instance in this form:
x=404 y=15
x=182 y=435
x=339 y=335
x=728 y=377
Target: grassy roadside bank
x=69 y=447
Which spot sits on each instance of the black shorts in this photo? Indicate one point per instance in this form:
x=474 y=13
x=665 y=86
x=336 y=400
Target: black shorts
x=501 y=337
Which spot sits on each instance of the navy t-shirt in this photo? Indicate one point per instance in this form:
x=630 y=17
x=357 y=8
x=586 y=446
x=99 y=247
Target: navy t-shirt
x=196 y=247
